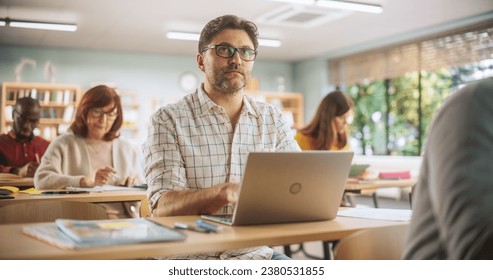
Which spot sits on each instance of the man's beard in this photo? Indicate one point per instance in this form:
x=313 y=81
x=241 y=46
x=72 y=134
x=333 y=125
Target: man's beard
x=229 y=86
x=21 y=137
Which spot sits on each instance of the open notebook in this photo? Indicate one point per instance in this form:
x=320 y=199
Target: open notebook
x=282 y=187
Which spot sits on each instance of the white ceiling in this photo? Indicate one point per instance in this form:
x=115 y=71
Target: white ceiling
x=140 y=25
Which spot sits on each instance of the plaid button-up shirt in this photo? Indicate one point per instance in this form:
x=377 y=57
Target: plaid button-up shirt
x=192 y=145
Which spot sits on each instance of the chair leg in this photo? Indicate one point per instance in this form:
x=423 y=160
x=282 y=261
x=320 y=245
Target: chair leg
x=411 y=196
x=327 y=247
x=411 y=199
x=348 y=200
x=327 y=251
x=375 y=199
x=287 y=250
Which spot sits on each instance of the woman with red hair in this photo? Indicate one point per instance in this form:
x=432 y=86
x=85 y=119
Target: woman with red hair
x=91 y=153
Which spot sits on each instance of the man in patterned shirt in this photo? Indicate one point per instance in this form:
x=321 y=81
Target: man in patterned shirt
x=196 y=149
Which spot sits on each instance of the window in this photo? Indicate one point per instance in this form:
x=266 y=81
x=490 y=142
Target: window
x=397 y=89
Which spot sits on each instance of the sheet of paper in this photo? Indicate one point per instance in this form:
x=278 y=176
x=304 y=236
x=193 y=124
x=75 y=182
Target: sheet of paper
x=376 y=213
x=31 y=191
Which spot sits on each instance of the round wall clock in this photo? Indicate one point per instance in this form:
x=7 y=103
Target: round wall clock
x=188 y=81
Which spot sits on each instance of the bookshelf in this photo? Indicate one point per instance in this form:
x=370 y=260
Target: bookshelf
x=58 y=103
x=291 y=104
x=130 y=108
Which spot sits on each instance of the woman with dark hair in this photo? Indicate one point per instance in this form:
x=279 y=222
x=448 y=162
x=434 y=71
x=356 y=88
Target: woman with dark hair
x=328 y=129
x=91 y=153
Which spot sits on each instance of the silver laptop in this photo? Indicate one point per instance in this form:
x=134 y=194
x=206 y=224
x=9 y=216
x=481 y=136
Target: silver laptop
x=283 y=187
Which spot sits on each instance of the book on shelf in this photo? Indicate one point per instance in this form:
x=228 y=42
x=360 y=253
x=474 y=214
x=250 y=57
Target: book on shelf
x=34 y=93
x=79 y=234
x=67 y=97
x=59 y=97
x=10 y=95
x=49 y=132
x=8 y=113
x=52 y=113
x=43 y=113
x=46 y=97
x=67 y=113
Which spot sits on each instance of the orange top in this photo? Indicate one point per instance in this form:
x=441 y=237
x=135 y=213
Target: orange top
x=305 y=143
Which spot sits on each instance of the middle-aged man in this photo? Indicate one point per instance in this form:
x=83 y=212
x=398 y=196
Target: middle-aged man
x=20 y=150
x=196 y=149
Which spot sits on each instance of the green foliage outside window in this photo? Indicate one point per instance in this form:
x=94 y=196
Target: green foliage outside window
x=393 y=116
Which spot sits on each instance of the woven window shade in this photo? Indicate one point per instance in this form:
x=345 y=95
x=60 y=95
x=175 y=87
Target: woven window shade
x=458 y=47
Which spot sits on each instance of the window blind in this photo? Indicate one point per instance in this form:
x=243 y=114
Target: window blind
x=453 y=48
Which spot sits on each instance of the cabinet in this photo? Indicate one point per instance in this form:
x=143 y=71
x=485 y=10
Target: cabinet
x=58 y=103
x=291 y=104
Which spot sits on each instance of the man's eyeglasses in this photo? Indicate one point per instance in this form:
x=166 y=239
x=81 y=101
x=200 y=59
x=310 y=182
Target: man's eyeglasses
x=98 y=113
x=226 y=51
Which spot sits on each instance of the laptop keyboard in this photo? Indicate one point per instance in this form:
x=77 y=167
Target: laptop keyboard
x=225 y=219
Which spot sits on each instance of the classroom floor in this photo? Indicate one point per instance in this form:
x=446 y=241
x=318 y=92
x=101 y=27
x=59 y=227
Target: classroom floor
x=314 y=249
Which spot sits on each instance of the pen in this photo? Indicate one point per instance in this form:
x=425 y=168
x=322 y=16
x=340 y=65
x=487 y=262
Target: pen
x=193 y=228
x=117 y=178
x=205 y=225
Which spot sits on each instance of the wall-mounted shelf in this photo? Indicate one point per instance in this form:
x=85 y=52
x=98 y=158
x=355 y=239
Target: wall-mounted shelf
x=58 y=103
x=130 y=107
x=291 y=103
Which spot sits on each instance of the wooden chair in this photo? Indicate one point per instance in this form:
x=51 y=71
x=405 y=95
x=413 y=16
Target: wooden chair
x=385 y=243
x=49 y=210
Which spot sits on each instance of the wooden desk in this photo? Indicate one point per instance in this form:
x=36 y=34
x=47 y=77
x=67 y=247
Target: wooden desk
x=94 y=197
x=377 y=184
x=16 y=182
x=371 y=186
x=16 y=245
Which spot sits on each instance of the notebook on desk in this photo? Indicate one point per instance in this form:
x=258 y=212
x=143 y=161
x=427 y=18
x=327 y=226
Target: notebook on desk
x=358 y=170
x=283 y=187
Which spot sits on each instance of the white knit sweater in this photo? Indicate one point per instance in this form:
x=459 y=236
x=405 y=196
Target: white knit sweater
x=66 y=161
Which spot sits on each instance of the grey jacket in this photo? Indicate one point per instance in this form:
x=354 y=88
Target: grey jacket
x=453 y=200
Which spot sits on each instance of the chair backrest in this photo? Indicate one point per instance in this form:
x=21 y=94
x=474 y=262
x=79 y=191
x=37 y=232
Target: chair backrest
x=386 y=243
x=49 y=210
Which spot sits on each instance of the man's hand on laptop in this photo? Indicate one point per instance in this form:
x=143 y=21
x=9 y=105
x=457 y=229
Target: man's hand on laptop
x=197 y=202
x=227 y=193
x=233 y=192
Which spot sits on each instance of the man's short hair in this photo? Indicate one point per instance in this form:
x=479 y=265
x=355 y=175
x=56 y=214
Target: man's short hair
x=27 y=101
x=215 y=26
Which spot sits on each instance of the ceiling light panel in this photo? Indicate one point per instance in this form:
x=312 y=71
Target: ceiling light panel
x=38 y=25
x=189 y=36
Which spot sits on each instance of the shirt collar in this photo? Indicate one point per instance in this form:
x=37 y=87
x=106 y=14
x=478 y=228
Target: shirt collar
x=249 y=106
x=206 y=104
x=12 y=135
